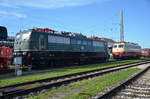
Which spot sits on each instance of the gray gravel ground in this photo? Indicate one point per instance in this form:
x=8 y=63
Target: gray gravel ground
x=140 y=89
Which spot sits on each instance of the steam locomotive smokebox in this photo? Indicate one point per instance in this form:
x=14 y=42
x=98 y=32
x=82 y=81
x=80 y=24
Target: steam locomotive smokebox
x=3 y=32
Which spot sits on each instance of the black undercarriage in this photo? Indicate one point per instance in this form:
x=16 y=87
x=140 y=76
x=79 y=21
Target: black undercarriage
x=54 y=58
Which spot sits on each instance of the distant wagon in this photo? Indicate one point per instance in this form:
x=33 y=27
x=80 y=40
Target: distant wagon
x=146 y=52
x=125 y=50
x=49 y=47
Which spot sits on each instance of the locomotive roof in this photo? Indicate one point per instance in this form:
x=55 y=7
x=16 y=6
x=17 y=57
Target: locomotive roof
x=51 y=31
x=77 y=35
x=146 y=49
x=126 y=43
x=2 y=27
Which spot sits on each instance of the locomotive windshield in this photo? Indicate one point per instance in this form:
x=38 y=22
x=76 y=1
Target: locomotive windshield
x=118 y=46
x=115 y=46
x=3 y=32
x=121 y=46
x=23 y=36
x=26 y=36
x=21 y=41
x=18 y=36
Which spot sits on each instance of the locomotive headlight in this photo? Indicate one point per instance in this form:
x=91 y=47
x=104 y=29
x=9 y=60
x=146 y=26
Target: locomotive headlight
x=14 y=53
x=24 y=53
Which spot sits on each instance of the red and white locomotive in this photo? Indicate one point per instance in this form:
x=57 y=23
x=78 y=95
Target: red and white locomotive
x=145 y=52
x=125 y=50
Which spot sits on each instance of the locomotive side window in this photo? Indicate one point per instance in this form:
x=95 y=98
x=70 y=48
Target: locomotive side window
x=84 y=42
x=79 y=42
x=58 y=39
x=89 y=43
x=73 y=41
x=98 y=44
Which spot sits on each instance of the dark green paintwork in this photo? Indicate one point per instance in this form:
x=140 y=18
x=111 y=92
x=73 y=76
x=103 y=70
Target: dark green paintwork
x=32 y=44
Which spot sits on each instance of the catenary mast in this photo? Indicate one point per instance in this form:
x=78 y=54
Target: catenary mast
x=121 y=27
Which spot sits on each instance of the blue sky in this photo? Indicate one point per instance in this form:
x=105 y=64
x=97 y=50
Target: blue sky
x=90 y=17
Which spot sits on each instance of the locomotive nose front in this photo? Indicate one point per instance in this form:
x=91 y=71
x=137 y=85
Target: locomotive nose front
x=22 y=40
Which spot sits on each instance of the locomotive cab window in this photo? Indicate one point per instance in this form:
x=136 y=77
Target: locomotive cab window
x=115 y=46
x=121 y=46
x=26 y=36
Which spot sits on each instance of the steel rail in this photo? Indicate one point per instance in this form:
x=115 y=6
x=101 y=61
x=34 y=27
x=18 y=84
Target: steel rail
x=20 y=89
x=118 y=88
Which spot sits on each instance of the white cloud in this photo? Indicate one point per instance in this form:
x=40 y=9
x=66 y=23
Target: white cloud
x=19 y=15
x=46 y=3
x=12 y=14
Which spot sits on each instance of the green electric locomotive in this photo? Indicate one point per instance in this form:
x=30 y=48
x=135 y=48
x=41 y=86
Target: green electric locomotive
x=52 y=48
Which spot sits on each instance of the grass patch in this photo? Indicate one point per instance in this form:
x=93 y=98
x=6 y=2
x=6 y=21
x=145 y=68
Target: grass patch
x=63 y=72
x=26 y=73
x=146 y=58
x=88 y=88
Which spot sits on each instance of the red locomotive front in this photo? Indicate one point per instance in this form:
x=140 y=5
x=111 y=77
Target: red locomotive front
x=5 y=57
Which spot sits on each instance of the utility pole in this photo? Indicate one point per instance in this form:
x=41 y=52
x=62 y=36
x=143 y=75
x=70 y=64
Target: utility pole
x=121 y=27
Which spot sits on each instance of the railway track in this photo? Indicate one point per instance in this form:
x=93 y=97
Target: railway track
x=34 y=86
x=136 y=87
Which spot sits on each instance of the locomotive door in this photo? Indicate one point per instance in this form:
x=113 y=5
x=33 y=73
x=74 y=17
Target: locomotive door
x=42 y=42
